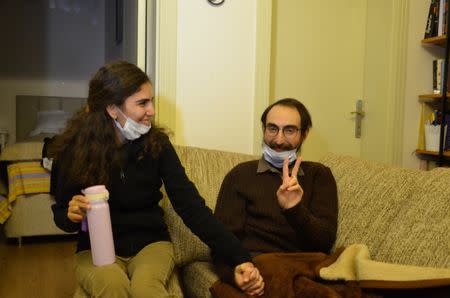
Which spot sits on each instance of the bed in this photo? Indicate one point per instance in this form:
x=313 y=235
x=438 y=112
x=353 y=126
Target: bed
x=25 y=201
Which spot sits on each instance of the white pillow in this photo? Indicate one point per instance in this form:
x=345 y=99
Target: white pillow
x=50 y=122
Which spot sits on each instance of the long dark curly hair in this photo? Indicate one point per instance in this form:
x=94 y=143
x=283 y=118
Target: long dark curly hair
x=88 y=150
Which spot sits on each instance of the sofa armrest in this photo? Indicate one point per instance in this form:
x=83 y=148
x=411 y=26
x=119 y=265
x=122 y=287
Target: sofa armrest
x=187 y=246
x=198 y=277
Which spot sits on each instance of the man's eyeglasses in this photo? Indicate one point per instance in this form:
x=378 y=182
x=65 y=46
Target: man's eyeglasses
x=289 y=131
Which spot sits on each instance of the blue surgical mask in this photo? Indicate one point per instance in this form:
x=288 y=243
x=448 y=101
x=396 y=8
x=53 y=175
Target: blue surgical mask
x=132 y=130
x=277 y=158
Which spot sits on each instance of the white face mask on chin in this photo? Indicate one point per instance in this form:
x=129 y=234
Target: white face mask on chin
x=277 y=158
x=132 y=130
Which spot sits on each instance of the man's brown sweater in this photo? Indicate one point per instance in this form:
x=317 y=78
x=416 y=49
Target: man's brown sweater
x=248 y=206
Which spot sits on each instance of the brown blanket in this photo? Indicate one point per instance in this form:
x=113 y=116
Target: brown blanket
x=319 y=275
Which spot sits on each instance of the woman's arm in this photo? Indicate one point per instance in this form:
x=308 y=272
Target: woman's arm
x=230 y=207
x=191 y=207
x=230 y=210
x=62 y=194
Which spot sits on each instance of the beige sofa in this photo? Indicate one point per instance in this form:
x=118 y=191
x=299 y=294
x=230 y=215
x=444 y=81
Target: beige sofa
x=402 y=215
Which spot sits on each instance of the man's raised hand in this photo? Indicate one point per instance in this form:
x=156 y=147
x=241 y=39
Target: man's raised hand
x=290 y=192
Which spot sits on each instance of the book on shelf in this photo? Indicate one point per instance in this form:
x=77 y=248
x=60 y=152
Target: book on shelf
x=430 y=21
x=445 y=16
x=438 y=78
x=436 y=24
x=436 y=88
x=447 y=137
x=441 y=17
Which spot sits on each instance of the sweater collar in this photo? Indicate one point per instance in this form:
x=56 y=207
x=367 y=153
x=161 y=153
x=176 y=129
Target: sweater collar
x=264 y=166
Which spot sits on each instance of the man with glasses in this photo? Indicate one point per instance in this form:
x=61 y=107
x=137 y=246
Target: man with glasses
x=279 y=203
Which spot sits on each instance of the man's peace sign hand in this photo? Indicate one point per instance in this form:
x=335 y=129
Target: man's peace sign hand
x=290 y=192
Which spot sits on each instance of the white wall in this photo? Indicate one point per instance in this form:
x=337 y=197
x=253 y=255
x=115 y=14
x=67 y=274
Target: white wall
x=215 y=74
x=418 y=79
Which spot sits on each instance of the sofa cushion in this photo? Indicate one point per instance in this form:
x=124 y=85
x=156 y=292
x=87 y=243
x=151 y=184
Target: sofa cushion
x=206 y=169
x=370 y=198
x=420 y=234
x=402 y=215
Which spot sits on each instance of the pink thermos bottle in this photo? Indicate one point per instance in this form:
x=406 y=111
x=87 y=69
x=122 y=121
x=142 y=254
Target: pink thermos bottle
x=99 y=226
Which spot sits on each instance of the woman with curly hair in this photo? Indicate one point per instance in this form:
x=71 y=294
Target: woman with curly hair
x=114 y=142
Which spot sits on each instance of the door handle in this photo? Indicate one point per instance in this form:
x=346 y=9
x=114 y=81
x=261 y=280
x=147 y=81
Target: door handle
x=359 y=115
x=362 y=114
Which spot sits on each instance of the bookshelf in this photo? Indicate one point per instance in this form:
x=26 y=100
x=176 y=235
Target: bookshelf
x=432 y=98
x=433 y=153
x=437 y=26
x=436 y=40
x=440 y=102
x=433 y=156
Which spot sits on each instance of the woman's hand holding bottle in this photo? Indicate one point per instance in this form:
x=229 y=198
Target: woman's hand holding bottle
x=78 y=206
